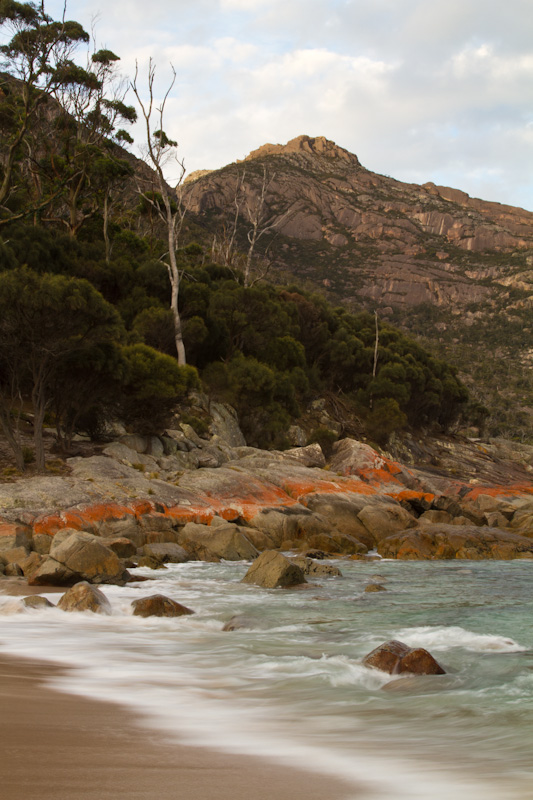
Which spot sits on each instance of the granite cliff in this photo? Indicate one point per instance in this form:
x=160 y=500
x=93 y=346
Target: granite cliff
x=454 y=270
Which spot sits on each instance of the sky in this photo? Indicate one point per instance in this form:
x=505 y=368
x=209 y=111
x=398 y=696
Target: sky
x=421 y=90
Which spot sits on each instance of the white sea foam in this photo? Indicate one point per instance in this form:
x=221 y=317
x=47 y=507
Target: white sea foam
x=446 y=638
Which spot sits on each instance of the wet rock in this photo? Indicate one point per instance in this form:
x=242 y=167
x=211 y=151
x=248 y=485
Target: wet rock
x=375 y=587
x=150 y=562
x=239 y=622
x=396 y=657
x=84 y=597
x=36 y=601
x=157 y=605
x=166 y=552
x=273 y=570
x=310 y=567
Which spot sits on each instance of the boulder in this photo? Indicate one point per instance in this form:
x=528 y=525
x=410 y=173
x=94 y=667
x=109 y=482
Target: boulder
x=80 y=556
x=166 y=552
x=272 y=570
x=396 y=658
x=42 y=542
x=455 y=541
x=342 y=514
x=228 y=542
x=309 y=456
x=84 y=597
x=311 y=567
x=15 y=555
x=124 y=548
x=375 y=587
x=157 y=605
x=36 y=601
x=150 y=563
x=31 y=564
x=13 y=535
x=384 y=520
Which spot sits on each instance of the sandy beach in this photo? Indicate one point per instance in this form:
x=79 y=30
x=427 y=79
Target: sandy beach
x=57 y=746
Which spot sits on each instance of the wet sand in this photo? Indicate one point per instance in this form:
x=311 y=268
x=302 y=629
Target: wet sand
x=57 y=746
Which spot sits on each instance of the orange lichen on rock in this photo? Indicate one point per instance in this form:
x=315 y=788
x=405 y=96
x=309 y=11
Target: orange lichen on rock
x=411 y=494
x=514 y=490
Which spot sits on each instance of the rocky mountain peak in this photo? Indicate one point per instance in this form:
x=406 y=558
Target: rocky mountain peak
x=307 y=145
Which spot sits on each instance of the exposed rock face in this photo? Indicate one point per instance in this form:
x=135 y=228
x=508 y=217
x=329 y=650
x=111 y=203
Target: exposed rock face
x=157 y=605
x=396 y=657
x=84 y=597
x=273 y=570
x=403 y=236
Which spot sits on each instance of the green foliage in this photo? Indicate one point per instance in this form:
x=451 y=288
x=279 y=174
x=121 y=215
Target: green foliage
x=153 y=386
x=384 y=419
x=325 y=438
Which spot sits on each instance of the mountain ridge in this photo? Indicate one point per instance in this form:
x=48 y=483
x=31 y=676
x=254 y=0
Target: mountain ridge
x=455 y=270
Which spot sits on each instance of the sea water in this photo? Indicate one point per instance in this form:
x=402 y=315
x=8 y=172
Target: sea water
x=292 y=687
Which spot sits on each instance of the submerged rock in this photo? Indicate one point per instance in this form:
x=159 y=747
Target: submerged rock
x=239 y=622
x=396 y=657
x=273 y=570
x=310 y=567
x=157 y=605
x=36 y=601
x=375 y=587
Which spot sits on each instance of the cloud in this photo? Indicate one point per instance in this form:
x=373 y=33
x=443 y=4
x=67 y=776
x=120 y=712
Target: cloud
x=420 y=90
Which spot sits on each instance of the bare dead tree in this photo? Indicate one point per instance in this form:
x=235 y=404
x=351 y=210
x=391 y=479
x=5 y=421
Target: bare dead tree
x=263 y=222
x=159 y=150
x=376 y=346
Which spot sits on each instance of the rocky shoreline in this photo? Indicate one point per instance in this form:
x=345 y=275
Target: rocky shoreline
x=183 y=497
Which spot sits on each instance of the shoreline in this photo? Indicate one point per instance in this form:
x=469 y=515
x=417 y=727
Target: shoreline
x=57 y=746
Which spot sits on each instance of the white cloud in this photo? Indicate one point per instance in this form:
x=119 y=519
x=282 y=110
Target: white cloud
x=439 y=90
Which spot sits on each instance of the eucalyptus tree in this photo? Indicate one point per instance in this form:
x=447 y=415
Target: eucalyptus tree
x=35 y=62
x=168 y=203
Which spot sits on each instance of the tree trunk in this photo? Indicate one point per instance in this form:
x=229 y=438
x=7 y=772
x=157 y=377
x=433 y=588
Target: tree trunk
x=7 y=427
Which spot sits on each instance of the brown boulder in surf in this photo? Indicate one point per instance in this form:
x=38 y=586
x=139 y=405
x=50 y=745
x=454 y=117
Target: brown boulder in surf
x=396 y=658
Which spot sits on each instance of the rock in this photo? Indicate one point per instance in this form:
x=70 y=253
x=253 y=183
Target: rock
x=310 y=456
x=384 y=520
x=80 y=556
x=351 y=457
x=396 y=657
x=15 y=555
x=310 y=567
x=225 y=425
x=434 y=515
x=157 y=605
x=42 y=542
x=375 y=587
x=342 y=514
x=150 y=563
x=124 y=548
x=455 y=541
x=166 y=552
x=272 y=570
x=84 y=597
x=36 y=601
x=31 y=564
x=13 y=570
x=228 y=542
x=239 y=622
x=13 y=535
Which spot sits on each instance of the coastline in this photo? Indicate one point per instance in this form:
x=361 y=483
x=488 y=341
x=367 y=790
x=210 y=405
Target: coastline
x=57 y=746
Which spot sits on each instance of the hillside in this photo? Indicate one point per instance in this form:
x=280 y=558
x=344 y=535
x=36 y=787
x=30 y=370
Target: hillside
x=455 y=271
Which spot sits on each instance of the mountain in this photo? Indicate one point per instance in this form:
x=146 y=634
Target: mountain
x=454 y=270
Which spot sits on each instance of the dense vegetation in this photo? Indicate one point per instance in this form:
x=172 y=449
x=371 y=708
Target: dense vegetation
x=86 y=328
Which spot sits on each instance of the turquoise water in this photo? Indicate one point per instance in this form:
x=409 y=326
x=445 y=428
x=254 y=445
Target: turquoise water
x=293 y=688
